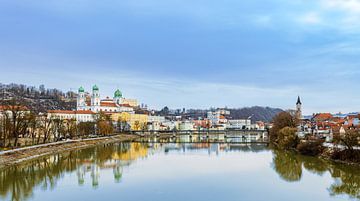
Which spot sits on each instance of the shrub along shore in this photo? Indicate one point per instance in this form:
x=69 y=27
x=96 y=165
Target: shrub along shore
x=15 y=156
x=344 y=146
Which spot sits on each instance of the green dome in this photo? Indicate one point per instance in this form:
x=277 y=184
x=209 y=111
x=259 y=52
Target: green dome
x=118 y=94
x=81 y=89
x=95 y=88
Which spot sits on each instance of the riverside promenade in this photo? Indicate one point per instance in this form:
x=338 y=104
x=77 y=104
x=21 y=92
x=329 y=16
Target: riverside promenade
x=15 y=156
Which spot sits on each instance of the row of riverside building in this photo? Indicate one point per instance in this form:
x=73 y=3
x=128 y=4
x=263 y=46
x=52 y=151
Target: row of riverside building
x=128 y=111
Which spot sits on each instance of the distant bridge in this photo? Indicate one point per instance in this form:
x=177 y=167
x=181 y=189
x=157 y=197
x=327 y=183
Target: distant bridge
x=234 y=135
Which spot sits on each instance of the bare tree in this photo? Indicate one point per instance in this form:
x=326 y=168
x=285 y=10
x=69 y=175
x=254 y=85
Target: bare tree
x=33 y=125
x=45 y=127
x=70 y=127
x=58 y=129
x=14 y=116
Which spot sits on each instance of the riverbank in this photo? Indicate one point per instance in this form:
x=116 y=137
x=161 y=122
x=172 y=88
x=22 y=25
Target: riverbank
x=15 y=156
x=348 y=157
x=329 y=152
x=326 y=151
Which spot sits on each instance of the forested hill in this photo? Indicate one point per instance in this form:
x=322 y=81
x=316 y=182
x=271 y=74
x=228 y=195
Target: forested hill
x=258 y=113
x=39 y=98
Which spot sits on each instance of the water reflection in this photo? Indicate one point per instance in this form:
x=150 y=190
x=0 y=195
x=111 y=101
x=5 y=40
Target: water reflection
x=290 y=166
x=287 y=166
x=201 y=138
x=19 y=182
x=212 y=148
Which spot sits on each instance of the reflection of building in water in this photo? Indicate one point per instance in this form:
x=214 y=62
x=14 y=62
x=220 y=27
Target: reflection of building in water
x=216 y=148
x=183 y=147
x=136 y=151
x=118 y=172
x=81 y=174
x=116 y=157
x=95 y=175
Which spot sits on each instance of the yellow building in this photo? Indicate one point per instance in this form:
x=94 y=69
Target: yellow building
x=136 y=121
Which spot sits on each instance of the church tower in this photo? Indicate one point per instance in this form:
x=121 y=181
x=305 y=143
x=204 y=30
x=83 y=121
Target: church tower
x=298 y=108
x=81 y=104
x=95 y=99
x=117 y=96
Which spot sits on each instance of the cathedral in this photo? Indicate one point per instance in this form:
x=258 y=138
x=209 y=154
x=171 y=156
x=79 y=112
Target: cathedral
x=96 y=104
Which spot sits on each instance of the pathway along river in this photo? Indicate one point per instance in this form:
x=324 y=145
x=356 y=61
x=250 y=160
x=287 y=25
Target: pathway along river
x=180 y=171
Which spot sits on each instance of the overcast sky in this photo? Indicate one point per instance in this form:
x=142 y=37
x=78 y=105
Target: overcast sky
x=189 y=53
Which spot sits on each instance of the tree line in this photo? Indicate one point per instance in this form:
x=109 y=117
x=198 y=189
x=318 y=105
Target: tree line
x=32 y=91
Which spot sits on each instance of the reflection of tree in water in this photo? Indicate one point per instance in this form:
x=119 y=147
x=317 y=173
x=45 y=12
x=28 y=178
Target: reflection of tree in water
x=348 y=181
x=313 y=164
x=18 y=182
x=347 y=178
x=287 y=166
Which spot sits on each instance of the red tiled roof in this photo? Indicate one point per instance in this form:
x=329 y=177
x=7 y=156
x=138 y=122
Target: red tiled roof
x=10 y=107
x=107 y=104
x=125 y=105
x=61 y=111
x=337 y=120
x=84 y=112
x=322 y=116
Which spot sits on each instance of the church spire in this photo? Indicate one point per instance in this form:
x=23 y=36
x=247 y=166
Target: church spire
x=298 y=101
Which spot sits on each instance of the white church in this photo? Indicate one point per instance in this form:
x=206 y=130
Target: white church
x=96 y=104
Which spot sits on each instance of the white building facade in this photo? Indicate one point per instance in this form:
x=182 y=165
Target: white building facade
x=79 y=116
x=239 y=124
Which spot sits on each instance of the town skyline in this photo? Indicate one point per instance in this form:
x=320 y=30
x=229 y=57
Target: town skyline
x=88 y=91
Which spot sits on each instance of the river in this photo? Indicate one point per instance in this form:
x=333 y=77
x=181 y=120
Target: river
x=180 y=171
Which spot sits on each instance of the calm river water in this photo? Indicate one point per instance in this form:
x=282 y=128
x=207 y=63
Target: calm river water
x=180 y=171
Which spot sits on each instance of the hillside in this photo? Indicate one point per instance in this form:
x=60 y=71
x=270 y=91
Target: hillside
x=39 y=99
x=258 y=113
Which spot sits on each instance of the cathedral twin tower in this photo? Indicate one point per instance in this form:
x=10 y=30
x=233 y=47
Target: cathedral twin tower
x=96 y=103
